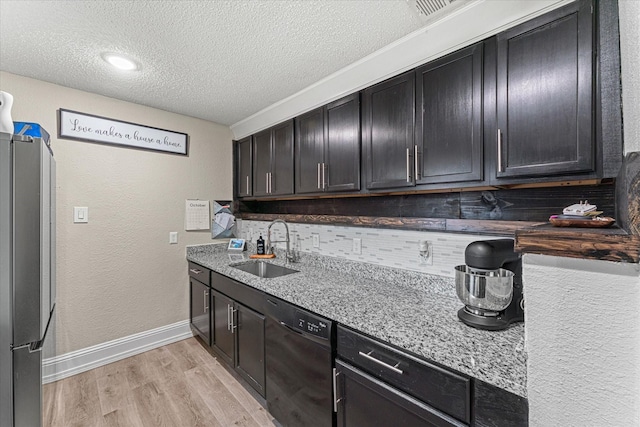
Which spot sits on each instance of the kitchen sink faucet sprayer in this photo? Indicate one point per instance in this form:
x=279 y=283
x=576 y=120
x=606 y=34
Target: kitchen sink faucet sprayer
x=290 y=255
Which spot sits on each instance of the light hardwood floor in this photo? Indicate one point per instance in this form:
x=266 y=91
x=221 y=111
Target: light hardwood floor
x=178 y=385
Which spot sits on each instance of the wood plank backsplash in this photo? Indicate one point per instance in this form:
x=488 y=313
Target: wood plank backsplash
x=526 y=204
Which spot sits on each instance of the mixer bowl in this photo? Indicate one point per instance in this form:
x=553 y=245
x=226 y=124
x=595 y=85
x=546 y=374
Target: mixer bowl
x=490 y=290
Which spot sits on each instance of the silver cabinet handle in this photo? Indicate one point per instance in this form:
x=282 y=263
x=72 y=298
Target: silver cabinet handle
x=408 y=163
x=381 y=363
x=270 y=182
x=266 y=179
x=318 y=175
x=499 y=151
x=335 y=390
x=415 y=162
x=205 y=294
x=228 y=317
x=195 y=271
x=323 y=180
x=233 y=323
x=247 y=184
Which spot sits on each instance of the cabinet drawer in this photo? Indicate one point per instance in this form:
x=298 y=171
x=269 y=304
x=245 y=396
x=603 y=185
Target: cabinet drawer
x=240 y=292
x=440 y=388
x=199 y=273
x=366 y=401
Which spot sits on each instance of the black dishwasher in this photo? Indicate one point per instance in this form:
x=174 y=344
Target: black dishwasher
x=299 y=362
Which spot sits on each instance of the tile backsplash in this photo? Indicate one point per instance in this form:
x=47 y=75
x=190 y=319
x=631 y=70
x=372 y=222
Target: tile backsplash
x=392 y=248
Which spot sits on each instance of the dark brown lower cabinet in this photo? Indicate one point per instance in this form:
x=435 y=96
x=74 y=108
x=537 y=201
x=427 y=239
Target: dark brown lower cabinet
x=250 y=346
x=223 y=338
x=238 y=338
x=362 y=400
x=380 y=385
x=199 y=309
x=494 y=407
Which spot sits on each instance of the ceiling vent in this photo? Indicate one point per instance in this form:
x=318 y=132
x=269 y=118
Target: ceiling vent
x=427 y=7
x=429 y=10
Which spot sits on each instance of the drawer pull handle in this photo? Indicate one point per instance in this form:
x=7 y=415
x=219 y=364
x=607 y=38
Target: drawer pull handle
x=381 y=363
x=195 y=271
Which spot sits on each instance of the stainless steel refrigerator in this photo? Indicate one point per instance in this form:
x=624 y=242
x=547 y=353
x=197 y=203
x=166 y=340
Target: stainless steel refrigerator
x=27 y=274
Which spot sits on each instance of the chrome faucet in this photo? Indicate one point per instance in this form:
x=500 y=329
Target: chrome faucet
x=290 y=255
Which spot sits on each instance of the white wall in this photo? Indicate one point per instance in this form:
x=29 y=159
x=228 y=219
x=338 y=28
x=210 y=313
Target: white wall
x=582 y=323
x=630 y=55
x=582 y=329
x=118 y=275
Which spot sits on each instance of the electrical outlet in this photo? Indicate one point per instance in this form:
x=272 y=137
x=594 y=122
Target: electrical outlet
x=173 y=237
x=315 y=238
x=357 y=246
x=426 y=252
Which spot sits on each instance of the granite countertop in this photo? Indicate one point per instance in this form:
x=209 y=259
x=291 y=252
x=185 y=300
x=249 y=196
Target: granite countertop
x=411 y=310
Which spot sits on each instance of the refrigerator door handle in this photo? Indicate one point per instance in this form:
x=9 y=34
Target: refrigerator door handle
x=33 y=347
x=36 y=346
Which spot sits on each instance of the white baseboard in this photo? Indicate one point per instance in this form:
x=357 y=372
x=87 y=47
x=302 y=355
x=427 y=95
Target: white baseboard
x=68 y=364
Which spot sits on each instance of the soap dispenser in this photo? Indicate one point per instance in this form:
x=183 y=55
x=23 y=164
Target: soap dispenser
x=260 y=246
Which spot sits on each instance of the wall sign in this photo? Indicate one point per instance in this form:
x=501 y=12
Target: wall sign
x=87 y=127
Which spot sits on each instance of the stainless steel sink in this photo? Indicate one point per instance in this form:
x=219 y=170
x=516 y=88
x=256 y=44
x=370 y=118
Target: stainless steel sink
x=264 y=269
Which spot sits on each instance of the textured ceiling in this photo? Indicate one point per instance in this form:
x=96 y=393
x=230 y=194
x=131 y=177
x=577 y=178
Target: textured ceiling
x=217 y=60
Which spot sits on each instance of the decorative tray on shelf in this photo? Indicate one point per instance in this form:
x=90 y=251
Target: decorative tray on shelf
x=585 y=222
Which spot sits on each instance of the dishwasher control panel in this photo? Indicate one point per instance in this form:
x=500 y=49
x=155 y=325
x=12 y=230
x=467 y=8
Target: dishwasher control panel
x=312 y=325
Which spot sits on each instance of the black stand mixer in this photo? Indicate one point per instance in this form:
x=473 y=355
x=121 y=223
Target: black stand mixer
x=490 y=285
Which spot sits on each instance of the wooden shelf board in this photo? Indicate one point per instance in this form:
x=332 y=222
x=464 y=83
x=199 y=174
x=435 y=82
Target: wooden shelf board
x=607 y=244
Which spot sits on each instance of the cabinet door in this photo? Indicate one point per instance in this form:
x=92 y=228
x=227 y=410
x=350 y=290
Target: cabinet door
x=250 y=352
x=281 y=178
x=342 y=144
x=388 y=132
x=261 y=162
x=309 y=151
x=449 y=118
x=199 y=308
x=243 y=167
x=545 y=91
x=365 y=401
x=223 y=336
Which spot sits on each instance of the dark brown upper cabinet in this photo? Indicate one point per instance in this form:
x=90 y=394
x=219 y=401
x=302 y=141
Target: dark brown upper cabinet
x=244 y=173
x=449 y=120
x=388 y=133
x=328 y=147
x=309 y=151
x=273 y=161
x=545 y=91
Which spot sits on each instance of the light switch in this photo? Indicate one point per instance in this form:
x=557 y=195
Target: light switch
x=80 y=214
x=173 y=237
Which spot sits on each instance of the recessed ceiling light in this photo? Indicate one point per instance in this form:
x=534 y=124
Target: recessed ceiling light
x=120 y=62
